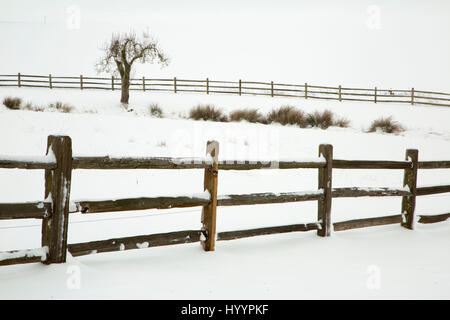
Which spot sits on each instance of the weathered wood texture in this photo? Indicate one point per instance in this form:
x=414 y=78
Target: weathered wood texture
x=22 y=256
x=422 y=191
x=353 y=192
x=410 y=180
x=22 y=260
x=231 y=235
x=57 y=188
x=325 y=184
x=209 y=211
x=433 y=218
x=369 y=164
x=267 y=197
x=97 y=206
x=139 y=163
x=368 y=222
x=136 y=242
x=434 y=164
x=27 y=210
x=27 y=164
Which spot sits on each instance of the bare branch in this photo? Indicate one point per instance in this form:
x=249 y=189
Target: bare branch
x=123 y=50
x=126 y=49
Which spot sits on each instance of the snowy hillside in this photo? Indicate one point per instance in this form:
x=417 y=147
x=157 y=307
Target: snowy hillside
x=107 y=129
x=359 y=44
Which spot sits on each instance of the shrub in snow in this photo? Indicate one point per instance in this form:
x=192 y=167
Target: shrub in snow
x=61 y=107
x=322 y=120
x=207 y=112
x=342 y=123
x=156 y=111
x=386 y=125
x=250 y=115
x=12 y=103
x=287 y=115
x=38 y=108
x=28 y=106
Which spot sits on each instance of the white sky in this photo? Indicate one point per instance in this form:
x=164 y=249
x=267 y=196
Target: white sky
x=399 y=44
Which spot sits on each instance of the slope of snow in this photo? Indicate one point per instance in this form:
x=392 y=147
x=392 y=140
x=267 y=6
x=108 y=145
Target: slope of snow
x=407 y=264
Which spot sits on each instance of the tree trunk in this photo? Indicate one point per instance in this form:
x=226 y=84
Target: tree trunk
x=125 y=89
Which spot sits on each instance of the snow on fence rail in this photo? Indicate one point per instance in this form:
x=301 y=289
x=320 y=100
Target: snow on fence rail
x=411 y=96
x=59 y=164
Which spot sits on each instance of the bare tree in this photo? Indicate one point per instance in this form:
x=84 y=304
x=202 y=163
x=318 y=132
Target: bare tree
x=122 y=51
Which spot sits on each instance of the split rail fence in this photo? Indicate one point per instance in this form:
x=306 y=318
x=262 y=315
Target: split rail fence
x=59 y=163
x=411 y=96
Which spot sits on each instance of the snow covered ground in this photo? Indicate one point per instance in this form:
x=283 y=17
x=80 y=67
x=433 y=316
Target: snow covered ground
x=379 y=262
x=351 y=43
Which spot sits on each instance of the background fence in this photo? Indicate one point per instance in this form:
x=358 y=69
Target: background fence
x=59 y=163
x=307 y=91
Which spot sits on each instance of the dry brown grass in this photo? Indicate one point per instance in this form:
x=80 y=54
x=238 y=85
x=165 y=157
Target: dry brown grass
x=321 y=120
x=61 y=107
x=12 y=103
x=387 y=125
x=207 y=112
x=288 y=115
x=156 y=111
x=342 y=123
x=250 y=115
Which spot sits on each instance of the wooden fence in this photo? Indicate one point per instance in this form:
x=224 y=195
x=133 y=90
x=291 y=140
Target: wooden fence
x=59 y=163
x=307 y=91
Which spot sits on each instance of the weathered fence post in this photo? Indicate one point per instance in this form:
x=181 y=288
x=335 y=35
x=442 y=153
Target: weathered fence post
x=240 y=87
x=306 y=90
x=410 y=180
x=340 y=93
x=143 y=83
x=81 y=81
x=57 y=190
x=375 y=95
x=50 y=81
x=412 y=96
x=210 y=184
x=175 y=84
x=325 y=182
x=112 y=83
x=271 y=88
x=207 y=85
x=18 y=80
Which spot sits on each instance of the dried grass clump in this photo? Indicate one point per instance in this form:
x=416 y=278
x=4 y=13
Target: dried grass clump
x=207 y=112
x=156 y=111
x=387 y=125
x=288 y=115
x=61 y=107
x=12 y=103
x=341 y=122
x=250 y=115
x=321 y=120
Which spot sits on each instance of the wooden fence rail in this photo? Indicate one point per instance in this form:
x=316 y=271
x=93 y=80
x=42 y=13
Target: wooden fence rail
x=273 y=89
x=59 y=164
